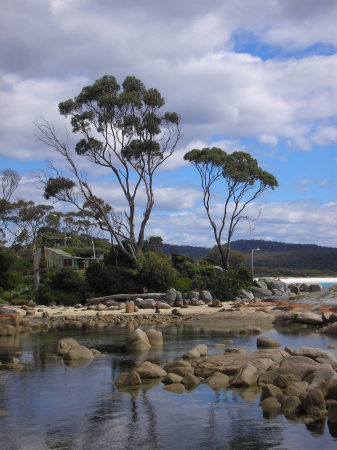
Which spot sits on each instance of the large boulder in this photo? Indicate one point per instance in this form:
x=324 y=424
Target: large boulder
x=155 y=338
x=315 y=288
x=174 y=364
x=78 y=352
x=276 y=284
x=148 y=303
x=172 y=378
x=206 y=296
x=217 y=380
x=313 y=403
x=148 y=370
x=294 y=288
x=247 y=376
x=261 y=284
x=64 y=345
x=192 y=354
x=291 y=405
x=266 y=342
x=193 y=294
x=260 y=293
x=315 y=354
x=271 y=405
x=182 y=371
x=309 y=318
x=269 y=390
x=190 y=381
x=171 y=296
x=246 y=295
x=202 y=349
x=138 y=341
x=128 y=379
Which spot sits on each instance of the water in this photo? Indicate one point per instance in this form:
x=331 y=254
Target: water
x=51 y=405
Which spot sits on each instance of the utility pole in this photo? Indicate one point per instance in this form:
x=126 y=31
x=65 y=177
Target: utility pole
x=254 y=250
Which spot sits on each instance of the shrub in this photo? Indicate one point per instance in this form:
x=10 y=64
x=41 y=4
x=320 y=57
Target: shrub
x=223 y=284
x=183 y=284
x=11 y=268
x=62 y=285
x=185 y=265
x=155 y=271
x=105 y=279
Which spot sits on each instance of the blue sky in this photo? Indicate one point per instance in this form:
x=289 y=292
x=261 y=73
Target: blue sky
x=256 y=76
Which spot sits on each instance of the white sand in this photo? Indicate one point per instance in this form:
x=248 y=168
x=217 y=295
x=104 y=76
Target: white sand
x=310 y=280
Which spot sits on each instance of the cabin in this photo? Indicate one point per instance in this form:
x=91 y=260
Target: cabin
x=55 y=257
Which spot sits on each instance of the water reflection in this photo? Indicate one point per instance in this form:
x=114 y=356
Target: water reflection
x=54 y=405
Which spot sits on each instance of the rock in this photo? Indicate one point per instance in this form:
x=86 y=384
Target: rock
x=13 y=366
x=176 y=312
x=332 y=412
x=261 y=284
x=162 y=305
x=155 y=338
x=309 y=318
x=138 y=341
x=193 y=294
x=314 y=353
x=171 y=296
x=182 y=371
x=173 y=364
x=215 y=303
x=95 y=352
x=195 y=302
x=294 y=289
x=78 y=306
x=202 y=349
x=147 y=304
x=304 y=287
x=332 y=392
x=100 y=307
x=148 y=370
x=276 y=284
x=246 y=295
x=45 y=315
x=65 y=344
x=331 y=329
x=190 y=381
x=260 y=293
x=246 y=377
x=266 y=342
x=284 y=379
x=206 y=296
x=192 y=354
x=7 y=330
x=291 y=405
x=172 y=378
x=30 y=312
x=217 y=380
x=179 y=295
x=271 y=405
x=296 y=389
x=78 y=352
x=176 y=388
x=179 y=303
x=186 y=301
x=128 y=379
x=313 y=402
x=315 y=288
x=269 y=390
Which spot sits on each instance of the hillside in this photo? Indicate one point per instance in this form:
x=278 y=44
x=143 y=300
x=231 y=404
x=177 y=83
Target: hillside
x=275 y=258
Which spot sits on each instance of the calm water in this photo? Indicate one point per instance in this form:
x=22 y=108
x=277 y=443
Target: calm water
x=51 y=405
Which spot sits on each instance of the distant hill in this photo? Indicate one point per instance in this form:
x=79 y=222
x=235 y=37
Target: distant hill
x=275 y=258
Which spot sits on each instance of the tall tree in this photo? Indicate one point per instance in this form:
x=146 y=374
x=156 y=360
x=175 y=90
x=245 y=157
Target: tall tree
x=242 y=182
x=9 y=181
x=123 y=130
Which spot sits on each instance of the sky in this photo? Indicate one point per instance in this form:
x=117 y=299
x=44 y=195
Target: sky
x=258 y=76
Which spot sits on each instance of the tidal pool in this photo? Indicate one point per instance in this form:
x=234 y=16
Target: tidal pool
x=50 y=405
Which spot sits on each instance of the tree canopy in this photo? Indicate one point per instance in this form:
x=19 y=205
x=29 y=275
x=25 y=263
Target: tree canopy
x=121 y=128
x=242 y=182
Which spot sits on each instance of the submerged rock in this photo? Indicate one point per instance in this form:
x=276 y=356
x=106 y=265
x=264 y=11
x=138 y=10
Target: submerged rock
x=148 y=370
x=266 y=342
x=217 y=380
x=128 y=379
x=176 y=388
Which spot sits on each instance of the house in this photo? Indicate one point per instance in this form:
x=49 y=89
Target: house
x=56 y=257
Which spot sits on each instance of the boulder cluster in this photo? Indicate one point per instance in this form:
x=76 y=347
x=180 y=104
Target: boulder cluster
x=295 y=382
x=270 y=289
x=71 y=350
x=325 y=321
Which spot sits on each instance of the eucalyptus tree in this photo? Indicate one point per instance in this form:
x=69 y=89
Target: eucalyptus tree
x=123 y=130
x=9 y=181
x=242 y=181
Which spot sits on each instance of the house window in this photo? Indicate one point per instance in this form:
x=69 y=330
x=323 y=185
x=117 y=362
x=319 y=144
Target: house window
x=67 y=263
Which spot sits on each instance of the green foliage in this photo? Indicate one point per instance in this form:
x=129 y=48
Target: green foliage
x=106 y=279
x=213 y=256
x=57 y=185
x=155 y=272
x=183 y=284
x=61 y=286
x=224 y=284
x=185 y=265
x=11 y=268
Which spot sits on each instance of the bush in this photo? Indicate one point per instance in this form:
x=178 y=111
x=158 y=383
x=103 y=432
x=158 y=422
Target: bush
x=155 y=272
x=223 y=284
x=63 y=285
x=105 y=279
x=185 y=265
x=11 y=268
x=183 y=284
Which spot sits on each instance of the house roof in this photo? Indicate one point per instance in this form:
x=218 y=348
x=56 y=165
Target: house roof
x=60 y=252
